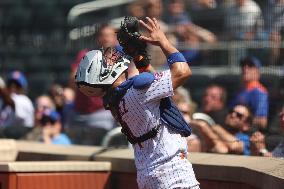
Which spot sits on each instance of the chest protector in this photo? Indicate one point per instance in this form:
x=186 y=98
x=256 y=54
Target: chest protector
x=169 y=113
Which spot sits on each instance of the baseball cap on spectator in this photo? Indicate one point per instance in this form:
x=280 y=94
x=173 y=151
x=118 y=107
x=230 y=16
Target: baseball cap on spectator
x=250 y=61
x=19 y=78
x=50 y=116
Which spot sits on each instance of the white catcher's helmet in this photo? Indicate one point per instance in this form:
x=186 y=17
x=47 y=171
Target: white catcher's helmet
x=99 y=69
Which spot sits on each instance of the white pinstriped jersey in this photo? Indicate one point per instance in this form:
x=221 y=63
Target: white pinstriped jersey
x=140 y=110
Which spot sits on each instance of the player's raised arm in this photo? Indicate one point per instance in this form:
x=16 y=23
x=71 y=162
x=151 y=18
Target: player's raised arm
x=180 y=70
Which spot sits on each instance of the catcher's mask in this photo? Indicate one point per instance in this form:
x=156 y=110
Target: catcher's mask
x=99 y=69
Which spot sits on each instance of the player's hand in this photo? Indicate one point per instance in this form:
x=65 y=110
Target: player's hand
x=156 y=35
x=257 y=142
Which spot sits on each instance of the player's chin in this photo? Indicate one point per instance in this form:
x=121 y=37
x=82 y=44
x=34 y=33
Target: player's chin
x=91 y=91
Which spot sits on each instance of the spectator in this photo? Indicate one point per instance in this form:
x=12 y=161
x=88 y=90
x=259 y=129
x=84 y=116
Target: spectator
x=179 y=19
x=42 y=103
x=202 y=4
x=253 y=93
x=257 y=142
x=24 y=110
x=214 y=103
x=136 y=9
x=274 y=25
x=68 y=109
x=57 y=95
x=274 y=16
x=51 y=128
x=243 y=20
x=7 y=107
x=187 y=107
x=90 y=121
x=176 y=13
x=187 y=32
x=232 y=137
x=182 y=96
x=69 y=95
x=106 y=36
x=154 y=8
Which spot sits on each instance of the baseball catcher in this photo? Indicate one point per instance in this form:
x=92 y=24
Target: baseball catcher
x=149 y=119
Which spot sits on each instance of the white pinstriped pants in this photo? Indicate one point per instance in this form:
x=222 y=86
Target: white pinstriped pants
x=177 y=173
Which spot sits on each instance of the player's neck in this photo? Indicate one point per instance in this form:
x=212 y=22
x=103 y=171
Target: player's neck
x=119 y=80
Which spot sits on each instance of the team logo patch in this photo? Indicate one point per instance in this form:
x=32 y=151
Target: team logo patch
x=158 y=75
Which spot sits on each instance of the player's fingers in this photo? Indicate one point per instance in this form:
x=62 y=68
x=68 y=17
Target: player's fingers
x=144 y=38
x=145 y=25
x=156 y=23
x=151 y=22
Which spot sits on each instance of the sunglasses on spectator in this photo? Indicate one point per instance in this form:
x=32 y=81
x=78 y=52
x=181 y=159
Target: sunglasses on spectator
x=238 y=114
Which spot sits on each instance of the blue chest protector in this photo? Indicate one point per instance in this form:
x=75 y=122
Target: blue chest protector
x=169 y=113
x=172 y=117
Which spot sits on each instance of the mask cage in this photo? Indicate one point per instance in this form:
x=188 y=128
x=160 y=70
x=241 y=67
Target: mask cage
x=111 y=57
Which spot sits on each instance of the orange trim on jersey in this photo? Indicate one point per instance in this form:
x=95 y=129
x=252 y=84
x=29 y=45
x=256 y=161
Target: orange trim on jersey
x=256 y=84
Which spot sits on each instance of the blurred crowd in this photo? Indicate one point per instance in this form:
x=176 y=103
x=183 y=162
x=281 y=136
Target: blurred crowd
x=233 y=126
x=65 y=116
x=236 y=20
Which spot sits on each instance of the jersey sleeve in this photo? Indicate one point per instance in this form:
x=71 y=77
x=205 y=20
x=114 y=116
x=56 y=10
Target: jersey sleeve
x=161 y=87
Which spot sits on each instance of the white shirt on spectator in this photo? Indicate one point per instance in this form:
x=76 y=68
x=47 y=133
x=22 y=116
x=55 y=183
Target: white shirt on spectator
x=24 y=110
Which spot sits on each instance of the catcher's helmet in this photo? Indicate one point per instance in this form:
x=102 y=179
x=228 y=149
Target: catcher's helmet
x=99 y=69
